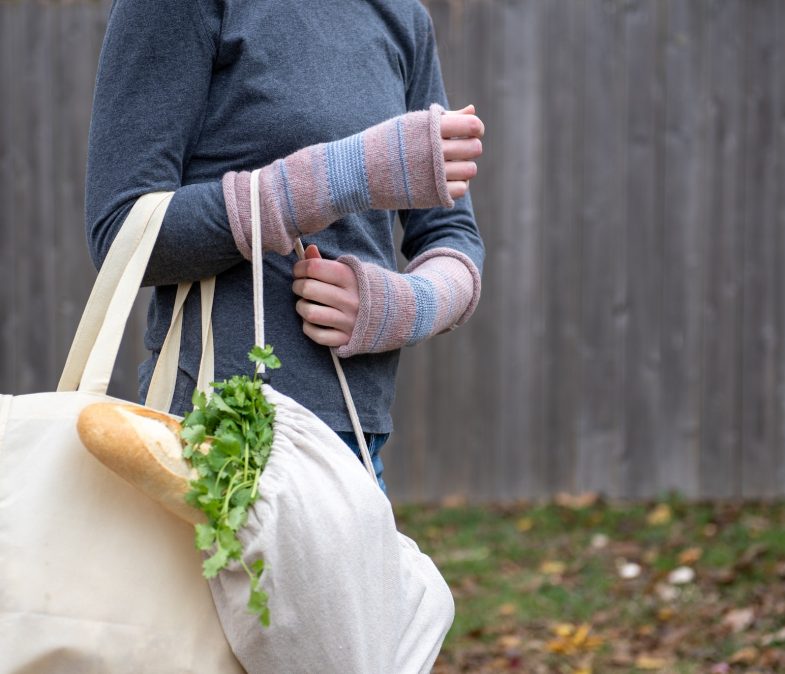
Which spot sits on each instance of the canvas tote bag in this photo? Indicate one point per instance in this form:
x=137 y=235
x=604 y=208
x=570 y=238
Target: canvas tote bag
x=94 y=577
x=348 y=593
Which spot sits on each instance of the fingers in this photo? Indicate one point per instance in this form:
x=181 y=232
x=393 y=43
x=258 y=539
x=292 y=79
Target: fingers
x=460 y=170
x=462 y=126
x=327 y=271
x=457 y=188
x=468 y=110
x=327 y=294
x=325 y=336
x=312 y=253
x=461 y=149
x=324 y=317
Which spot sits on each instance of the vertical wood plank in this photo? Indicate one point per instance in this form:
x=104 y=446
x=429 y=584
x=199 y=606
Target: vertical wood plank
x=512 y=225
x=644 y=254
x=762 y=317
x=603 y=254
x=561 y=246
x=720 y=411
x=683 y=208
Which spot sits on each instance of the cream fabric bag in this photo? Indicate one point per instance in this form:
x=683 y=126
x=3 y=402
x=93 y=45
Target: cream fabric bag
x=348 y=593
x=95 y=577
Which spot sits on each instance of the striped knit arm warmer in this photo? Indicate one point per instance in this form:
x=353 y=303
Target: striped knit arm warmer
x=397 y=164
x=438 y=291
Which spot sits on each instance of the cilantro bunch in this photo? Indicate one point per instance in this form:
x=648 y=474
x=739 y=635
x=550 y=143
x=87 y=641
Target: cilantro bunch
x=228 y=440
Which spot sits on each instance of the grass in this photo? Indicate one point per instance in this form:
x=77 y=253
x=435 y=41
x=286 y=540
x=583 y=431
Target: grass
x=540 y=587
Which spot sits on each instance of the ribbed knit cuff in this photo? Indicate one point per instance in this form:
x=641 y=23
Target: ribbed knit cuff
x=438 y=292
x=398 y=164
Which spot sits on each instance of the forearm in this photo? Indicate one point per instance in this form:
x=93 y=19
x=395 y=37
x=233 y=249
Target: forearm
x=438 y=291
x=195 y=241
x=396 y=164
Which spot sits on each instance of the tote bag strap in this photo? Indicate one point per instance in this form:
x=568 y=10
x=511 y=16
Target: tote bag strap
x=125 y=244
x=258 y=289
x=100 y=363
x=161 y=391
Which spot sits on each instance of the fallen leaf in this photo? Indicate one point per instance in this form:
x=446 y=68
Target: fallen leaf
x=509 y=642
x=576 y=501
x=553 y=567
x=524 y=524
x=665 y=613
x=571 y=640
x=774 y=638
x=454 y=501
x=745 y=656
x=650 y=662
x=690 y=555
x=666 y=592
x=739 y=619
x=720 y=668
x=662 y=514
x=508 y=609
x=563 y=629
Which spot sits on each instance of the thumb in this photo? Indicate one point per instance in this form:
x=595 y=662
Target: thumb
x=312 y=253
x=468 y=110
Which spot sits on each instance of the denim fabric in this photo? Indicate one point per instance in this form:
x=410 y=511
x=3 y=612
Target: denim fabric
x=375 y=442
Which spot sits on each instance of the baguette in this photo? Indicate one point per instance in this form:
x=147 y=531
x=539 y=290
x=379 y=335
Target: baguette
x=143 y=447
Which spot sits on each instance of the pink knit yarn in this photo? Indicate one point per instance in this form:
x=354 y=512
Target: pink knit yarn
x=438 y=291
x=397 y=164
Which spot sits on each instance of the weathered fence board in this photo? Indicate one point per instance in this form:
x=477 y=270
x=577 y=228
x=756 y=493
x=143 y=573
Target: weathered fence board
x=722 y=385
x=603 y=255
x=762 y=311
x=632 y=197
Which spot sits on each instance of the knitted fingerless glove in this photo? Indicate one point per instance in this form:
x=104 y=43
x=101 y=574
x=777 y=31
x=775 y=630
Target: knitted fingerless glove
x=396 y=164
x=438 y=291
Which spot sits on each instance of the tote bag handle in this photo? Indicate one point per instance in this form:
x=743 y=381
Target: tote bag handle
x=94 y=350
x=96 y=343
x=162 y=384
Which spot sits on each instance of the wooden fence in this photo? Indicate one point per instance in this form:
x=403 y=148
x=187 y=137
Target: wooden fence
x=632 y=199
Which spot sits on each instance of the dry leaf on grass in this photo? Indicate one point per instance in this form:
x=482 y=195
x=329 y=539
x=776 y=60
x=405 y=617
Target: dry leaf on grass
x=739 y=619
x=662 y=514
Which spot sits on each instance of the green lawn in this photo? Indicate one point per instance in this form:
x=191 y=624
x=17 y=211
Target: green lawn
x=587 y=587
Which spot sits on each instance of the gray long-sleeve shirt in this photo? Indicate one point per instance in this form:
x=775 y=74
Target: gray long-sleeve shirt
x=190 y=89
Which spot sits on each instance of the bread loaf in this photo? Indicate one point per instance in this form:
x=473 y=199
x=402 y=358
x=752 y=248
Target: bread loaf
x=143 y=447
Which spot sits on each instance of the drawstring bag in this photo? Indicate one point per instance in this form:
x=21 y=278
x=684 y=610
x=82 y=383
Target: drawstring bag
x=94 y=576
x=348 y=593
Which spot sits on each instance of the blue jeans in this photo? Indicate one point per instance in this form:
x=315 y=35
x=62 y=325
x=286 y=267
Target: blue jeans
x=375 y=442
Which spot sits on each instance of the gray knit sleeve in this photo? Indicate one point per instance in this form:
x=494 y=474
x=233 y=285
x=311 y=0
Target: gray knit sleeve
x=151 y=94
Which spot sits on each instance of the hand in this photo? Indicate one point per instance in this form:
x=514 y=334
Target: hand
x=461 y=133
x=329 y=298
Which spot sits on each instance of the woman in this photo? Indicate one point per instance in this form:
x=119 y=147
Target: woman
x=192 y=94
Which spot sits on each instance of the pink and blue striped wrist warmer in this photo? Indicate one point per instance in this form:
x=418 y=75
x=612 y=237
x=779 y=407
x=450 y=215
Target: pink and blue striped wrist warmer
x=438 y=291
x=398 y=164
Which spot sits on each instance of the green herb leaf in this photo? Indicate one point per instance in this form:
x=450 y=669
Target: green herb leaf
x=264 y=356
x=205 y=536
x=214 y=564
x=227 y=439
x=237 y=517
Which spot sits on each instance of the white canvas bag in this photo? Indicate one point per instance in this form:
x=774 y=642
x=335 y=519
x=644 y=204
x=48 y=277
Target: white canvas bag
x=348 y=593
x=94 y=576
